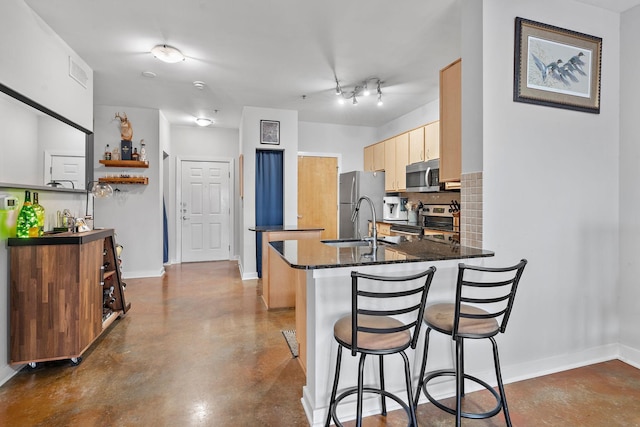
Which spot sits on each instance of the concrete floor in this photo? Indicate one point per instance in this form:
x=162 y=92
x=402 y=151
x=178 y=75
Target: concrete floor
x=199 y=349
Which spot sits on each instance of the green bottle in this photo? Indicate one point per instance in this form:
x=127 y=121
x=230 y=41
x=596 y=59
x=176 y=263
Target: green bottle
x=39 y=209
x=27 y=225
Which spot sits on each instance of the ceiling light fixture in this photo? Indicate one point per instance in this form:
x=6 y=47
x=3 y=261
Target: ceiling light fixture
x=167 y=53
x=199 y=84
x=203 y=121
x=361 y=89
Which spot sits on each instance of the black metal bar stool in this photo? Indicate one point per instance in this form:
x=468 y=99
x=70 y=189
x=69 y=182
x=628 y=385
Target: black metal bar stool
x=484 y=299
x=370 y=328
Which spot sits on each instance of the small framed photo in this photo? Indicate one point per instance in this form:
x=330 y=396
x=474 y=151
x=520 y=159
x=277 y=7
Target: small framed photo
x=269 y=132
x=556 y=67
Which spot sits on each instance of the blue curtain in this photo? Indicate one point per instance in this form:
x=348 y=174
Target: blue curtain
x=269 y=195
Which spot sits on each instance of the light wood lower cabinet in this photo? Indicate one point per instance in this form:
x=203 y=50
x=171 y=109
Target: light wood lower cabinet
x=57 y=289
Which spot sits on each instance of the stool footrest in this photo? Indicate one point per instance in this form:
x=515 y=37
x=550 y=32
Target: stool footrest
x=473 y=415
x=354 y=390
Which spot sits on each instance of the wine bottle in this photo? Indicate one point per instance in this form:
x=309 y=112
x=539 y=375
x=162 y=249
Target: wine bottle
x=135 y=156
x=27 y=220
x=107 y=153
x=39 y=209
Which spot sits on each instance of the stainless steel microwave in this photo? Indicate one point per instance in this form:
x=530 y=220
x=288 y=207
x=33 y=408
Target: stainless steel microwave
x=424 y=177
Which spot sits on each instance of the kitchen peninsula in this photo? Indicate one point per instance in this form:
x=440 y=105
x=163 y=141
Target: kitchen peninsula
x=321 y=272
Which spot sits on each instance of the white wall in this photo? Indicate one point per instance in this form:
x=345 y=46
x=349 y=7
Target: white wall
x=249 y=144
x=209 y=142
x=348 y=141
x=34 y=62
x=629 y=189
x=551 y=196
x=135 y=212
x=428 y=113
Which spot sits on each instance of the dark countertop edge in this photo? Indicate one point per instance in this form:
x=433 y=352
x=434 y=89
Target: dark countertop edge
x=486 y=254
x=266 y=228
x=66 y=238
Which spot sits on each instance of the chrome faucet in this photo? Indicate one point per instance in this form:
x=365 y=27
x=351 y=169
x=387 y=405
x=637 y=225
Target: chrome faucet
x=374 y=230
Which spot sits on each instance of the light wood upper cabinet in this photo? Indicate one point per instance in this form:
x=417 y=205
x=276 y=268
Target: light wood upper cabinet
x=390 y=164
x=432 y=141
x=374 y=157
x=396 y=158
x=368 y=159
x=451 y=122
x=424 y=143
x=416 y=145
x=402 y=160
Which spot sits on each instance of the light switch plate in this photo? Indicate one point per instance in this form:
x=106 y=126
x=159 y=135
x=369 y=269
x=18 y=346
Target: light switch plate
x=9 y=203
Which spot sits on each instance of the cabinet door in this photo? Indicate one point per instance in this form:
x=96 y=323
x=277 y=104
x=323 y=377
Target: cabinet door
x=416 y=145
x=432 y=140
x=450 y=122
x=402 y=160
x=378 y=157
x=90 y=296
x=390 y=164
x=368 y=158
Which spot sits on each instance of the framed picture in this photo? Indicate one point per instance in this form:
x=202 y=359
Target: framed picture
x=269 y=132
x=556 y=67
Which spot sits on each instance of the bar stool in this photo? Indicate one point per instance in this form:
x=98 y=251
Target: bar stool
x=370 y=329
x=491 y=292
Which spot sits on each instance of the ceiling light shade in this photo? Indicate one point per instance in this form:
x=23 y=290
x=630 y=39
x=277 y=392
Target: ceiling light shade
x=202 y=121
x=167 y=53
x=355 y=100
x=366 y=91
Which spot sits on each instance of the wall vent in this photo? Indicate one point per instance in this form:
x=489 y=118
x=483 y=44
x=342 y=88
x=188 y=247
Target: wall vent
x=78 y=73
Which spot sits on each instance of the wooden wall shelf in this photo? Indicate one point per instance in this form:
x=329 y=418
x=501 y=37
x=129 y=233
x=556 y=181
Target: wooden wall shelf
x=124 y=164
x=143 y=181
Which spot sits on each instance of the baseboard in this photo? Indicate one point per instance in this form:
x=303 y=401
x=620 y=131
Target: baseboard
x=8 y=371
x=630 y=355
x=246 y=275
x=140 y=274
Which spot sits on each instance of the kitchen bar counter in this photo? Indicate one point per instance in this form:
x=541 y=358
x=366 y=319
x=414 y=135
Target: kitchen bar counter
x=283 y=295
x=313 y=254
x=322 y=278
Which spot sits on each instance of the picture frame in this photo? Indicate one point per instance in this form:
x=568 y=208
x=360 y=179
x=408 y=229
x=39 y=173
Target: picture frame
x=556 y=67
x=270 y=132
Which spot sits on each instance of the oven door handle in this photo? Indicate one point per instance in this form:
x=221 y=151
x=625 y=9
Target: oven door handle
x=408 y=233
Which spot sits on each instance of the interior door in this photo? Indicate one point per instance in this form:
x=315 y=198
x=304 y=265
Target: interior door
x=318 y=194
x=65 y=169
x=205 y=211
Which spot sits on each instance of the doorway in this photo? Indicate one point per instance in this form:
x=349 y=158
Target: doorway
x=318 y=194
x=269 y=194
x=67 y=169
x=205 y=210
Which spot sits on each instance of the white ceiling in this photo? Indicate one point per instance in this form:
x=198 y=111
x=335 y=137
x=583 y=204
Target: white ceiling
x=265 y=53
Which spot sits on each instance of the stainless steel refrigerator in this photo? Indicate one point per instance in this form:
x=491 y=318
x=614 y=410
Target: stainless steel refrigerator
x=353 y=185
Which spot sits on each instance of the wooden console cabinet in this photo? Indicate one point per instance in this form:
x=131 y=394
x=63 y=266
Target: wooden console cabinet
x=65 y=290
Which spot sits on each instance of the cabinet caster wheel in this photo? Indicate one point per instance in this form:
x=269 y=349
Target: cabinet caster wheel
x=32 y=365
x=75 y=361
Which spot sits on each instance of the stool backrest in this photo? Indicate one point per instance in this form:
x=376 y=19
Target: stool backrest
x=492 y=289
x=403 y=296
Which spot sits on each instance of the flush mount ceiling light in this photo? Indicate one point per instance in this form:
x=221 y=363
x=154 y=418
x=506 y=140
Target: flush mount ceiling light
x=359 y=90
x=167 y=53
x=203 y=121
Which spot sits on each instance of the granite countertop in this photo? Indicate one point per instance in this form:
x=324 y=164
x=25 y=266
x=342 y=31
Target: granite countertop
x=261 y=228
x=313 y=254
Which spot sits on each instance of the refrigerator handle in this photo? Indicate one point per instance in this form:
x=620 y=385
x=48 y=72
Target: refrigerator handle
x=353 y=189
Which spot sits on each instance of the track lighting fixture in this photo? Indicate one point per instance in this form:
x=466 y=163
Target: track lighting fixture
x=361 y=89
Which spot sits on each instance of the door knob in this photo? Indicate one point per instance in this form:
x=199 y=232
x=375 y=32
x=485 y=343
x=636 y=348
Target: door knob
x=185 y=218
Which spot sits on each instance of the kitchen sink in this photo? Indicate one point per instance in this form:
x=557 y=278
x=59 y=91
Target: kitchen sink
x=346 y=243
x=351 y=243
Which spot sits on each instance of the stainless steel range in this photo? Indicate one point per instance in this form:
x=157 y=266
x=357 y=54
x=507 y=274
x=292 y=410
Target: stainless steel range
x=439 y=218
